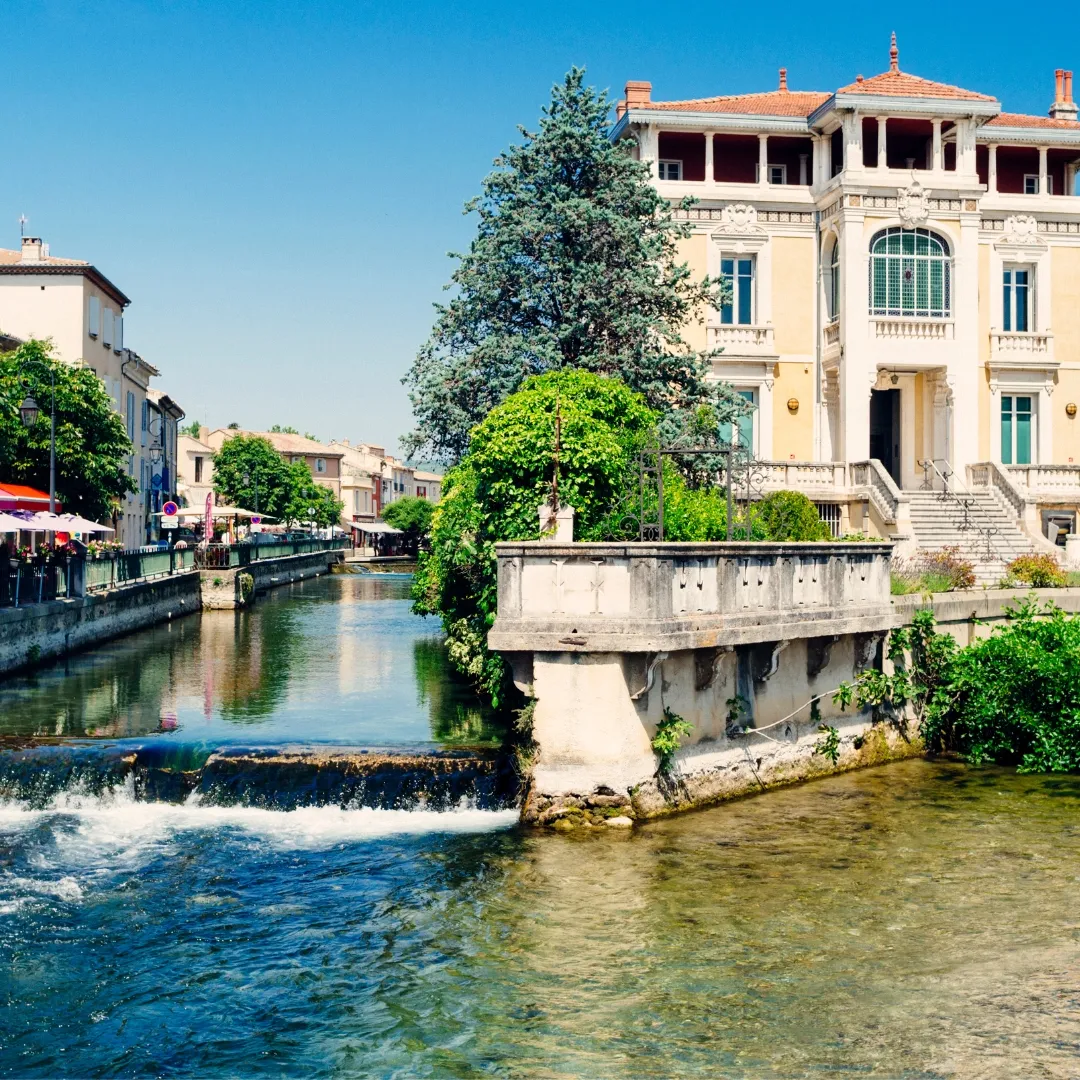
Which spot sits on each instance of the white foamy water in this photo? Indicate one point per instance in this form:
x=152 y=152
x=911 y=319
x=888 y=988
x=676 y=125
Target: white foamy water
x=117 y=821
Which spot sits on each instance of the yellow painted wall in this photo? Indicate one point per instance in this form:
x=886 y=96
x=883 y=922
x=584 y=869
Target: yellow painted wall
x=793 y=293
x=1065 y=322
x=922 y=419
x=793 y=433
x=986 y=403
x=694 y=251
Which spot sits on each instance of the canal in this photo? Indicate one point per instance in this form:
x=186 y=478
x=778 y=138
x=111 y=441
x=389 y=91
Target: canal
x=916 y=921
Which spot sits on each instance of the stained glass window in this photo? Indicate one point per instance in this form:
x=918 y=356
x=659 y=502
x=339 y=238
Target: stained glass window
x=910 y=274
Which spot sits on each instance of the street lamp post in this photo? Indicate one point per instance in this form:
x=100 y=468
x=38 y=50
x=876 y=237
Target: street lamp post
x=29 y=411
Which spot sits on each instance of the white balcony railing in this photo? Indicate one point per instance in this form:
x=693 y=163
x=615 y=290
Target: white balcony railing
x=832 y=334
x=1021 y=348
x=896 y=329
x=742 y=340
x=1046 y=479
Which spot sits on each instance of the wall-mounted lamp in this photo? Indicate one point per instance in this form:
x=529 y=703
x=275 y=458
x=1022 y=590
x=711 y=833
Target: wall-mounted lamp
x=1070 y=409
x=792 y=404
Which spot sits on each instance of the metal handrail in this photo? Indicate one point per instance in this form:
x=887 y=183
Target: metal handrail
x=990 y=530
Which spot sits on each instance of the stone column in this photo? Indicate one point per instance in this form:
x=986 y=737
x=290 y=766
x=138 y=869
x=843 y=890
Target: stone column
x=710 y=169
x=1043 y=188
x=763 y=159
x=936 y=164
x=802 y=170
x=882 y=150
x=991 y=168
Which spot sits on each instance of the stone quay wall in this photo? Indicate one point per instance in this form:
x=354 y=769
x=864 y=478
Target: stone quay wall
x=226 y=588
x=39 y=632
x=737 y=639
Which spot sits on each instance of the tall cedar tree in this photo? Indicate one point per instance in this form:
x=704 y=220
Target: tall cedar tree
x=574 y=265
x=92 y=447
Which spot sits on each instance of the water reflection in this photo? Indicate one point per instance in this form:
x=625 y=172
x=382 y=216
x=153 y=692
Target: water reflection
x=339 y=659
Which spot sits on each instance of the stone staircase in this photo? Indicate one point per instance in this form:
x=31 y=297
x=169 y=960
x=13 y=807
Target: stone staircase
x=938 y=523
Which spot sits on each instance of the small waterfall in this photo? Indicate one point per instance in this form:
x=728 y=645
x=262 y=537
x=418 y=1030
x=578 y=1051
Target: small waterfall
x=269 y=778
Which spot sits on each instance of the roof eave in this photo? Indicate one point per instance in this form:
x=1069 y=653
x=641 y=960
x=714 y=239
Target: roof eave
x=1034 y=135
x=695 y=120
x=62 y=270
x=913 y=105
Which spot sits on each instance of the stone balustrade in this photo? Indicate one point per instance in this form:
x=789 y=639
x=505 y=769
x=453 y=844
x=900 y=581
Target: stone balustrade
x=743 y=340
x=642 y=597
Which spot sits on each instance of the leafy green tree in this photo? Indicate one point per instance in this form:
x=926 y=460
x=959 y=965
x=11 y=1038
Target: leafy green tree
x=192 y=430
x=310 y=500
x=497 y=490
x=277 y=429
x=574 y=265
x=249 y=462
x=92 y=447
x=413 y=517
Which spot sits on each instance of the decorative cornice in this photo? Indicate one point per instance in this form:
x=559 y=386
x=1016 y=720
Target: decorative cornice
x=769 y=217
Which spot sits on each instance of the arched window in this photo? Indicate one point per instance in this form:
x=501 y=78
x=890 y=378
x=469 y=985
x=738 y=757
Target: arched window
x=833 y=281
x=910 y=274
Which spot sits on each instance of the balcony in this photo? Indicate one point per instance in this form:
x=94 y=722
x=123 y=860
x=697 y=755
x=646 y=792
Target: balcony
x=1022 y=350
x=756 y=341
x=887 y=328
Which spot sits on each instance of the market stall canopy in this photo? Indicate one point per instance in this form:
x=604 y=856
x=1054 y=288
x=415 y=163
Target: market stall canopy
x=375 y=527
x=78 y=524
x=10 y=523
x=22 y=497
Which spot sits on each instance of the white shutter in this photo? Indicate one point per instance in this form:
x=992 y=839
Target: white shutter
x=106 y=326
x=95 y=317
x=118 y=332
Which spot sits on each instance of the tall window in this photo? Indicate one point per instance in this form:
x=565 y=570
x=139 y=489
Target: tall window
x=910 y=274
x=1016 y=296
x=745 y=425
x=834 y=282
x=1016 y=421
x=738 y=277
x=198 y=470
x=670 y=170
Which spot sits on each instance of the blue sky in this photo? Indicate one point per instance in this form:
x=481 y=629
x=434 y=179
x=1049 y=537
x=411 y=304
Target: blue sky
x=276 y=184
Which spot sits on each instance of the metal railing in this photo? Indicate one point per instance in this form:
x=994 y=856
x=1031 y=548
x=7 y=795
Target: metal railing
x=108 y=570
x=231 y=556
x=966 y=500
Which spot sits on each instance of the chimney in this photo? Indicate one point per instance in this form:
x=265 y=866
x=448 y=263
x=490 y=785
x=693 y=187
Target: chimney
x=204 y=434
x=783 y=81
x=1064 y=108
x=638 y=95
x=33 y=251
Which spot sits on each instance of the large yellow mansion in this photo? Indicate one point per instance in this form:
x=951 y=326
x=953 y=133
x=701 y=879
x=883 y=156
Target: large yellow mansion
x=904 y=263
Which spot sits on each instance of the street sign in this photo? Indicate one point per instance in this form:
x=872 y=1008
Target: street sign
x=169 y=515
x=256 y=524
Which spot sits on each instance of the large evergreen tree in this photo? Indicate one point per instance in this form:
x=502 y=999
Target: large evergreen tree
x=574 y=265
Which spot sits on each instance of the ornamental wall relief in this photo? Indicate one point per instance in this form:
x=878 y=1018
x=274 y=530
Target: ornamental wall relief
x=913 y=205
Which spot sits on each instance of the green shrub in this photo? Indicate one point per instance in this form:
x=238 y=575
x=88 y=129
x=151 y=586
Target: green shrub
x=1014 y=698
x=496 y=491
x=790 y=515
x=1039 y=571
x=670 y=732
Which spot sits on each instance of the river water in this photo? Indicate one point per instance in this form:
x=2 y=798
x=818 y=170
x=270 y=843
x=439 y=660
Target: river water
x=918 y=920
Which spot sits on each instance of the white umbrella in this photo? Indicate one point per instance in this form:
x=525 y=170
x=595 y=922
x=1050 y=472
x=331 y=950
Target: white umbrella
x=11 y=524
x=74 y=523
x=43 y=521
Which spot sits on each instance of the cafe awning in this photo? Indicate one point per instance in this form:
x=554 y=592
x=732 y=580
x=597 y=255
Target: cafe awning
x=23 y=497
x=375 y=527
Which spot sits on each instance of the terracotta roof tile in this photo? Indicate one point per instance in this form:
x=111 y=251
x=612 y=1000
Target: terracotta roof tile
x=773 y=103
x=9 y=258
x=901 y=84
x=1020 y=120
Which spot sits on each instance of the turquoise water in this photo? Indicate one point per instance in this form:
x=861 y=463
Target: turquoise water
x=917 y=920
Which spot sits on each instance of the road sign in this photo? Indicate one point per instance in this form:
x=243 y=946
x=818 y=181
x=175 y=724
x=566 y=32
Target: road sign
x=169 y=518
x=170 y=509
x=256 y=524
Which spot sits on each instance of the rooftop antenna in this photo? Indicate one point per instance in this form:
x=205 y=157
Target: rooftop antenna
x=23 y=222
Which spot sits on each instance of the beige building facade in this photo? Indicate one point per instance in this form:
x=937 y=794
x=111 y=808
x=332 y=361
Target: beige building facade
x=903 y=258
x=81 y=311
